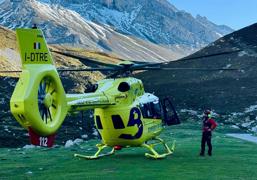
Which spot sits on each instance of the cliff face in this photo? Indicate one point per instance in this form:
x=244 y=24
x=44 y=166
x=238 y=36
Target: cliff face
x=157 y=21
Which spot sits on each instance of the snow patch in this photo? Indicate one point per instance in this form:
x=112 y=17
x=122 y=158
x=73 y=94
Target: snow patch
x=29 y=146
x=251 y=109
x=218 y=34
x=228 y=66
x=237 y=114
x=242 y=53
x=189 y=111
x=247 y=53
x=6 y=129
x=247 y=137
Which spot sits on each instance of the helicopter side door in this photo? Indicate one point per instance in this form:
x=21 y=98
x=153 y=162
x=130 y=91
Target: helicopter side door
x=170 y=116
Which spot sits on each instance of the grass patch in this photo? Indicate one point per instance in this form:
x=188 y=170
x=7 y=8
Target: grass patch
x=232 y=159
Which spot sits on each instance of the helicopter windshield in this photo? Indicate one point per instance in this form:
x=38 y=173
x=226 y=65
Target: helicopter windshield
x=151 y=110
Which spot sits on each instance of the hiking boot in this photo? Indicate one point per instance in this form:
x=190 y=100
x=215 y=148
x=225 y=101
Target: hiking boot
x=201 y=154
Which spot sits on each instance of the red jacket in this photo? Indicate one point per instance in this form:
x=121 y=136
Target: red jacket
x=209 y=125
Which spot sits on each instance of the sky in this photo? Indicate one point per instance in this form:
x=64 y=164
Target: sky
x=234 y=13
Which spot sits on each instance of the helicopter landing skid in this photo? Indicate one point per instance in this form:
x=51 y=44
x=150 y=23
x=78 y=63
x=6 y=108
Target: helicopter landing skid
x=97 y=154
x=156 y=155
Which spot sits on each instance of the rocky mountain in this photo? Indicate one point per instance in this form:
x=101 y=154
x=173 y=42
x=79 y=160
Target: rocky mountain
x=221 y=30
x=142 y=30
x=64 y=26
x=157 y=21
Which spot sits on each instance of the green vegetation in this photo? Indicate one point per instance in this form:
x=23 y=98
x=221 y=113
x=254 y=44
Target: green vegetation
x=232 y=159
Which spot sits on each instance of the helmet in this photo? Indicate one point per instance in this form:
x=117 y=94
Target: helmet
x=207 y=112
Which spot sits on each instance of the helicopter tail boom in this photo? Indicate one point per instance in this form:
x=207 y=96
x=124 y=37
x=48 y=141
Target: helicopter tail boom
x=81 y=102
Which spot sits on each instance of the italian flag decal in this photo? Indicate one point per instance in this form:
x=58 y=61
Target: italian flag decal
x=36 y=45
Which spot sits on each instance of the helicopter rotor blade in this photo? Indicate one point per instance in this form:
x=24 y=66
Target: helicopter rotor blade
x=202 y=69
x=209 y=55
x=158 y=65
x=85 y=60
x=135 y=67
x=143 y=64
x=70 y=70
x=113 y=75
x=89 y=69
x=18 y=71
x=193 y=69
x=118 y=71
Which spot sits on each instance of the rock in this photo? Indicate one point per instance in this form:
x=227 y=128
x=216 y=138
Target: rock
x=78 y=141
x=84 y=136
x=254 y=129
x=235 y=126
x=30 y=146
x=68 y=144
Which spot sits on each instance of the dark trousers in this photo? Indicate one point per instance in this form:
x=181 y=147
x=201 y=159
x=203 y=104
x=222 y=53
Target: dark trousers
x=206 y=137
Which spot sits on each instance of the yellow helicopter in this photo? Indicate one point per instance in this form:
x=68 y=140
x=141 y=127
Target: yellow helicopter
x=124 y=114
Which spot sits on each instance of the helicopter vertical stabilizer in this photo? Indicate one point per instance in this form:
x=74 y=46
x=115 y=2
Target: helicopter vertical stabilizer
x=38 y=102
x=33 y=47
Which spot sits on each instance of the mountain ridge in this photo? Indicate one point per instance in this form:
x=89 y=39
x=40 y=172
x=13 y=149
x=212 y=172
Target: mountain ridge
x=65 y=26
x=131 y=16
x=98 y=26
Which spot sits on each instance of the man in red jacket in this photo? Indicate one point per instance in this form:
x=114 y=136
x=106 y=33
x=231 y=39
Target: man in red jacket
x=208 y=126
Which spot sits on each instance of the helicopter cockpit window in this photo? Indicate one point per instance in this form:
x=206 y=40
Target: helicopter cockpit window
x=156 y=109
x=98 y=122
x=151 y=110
